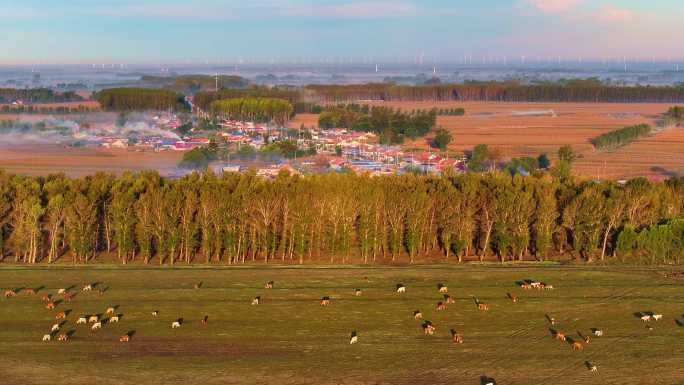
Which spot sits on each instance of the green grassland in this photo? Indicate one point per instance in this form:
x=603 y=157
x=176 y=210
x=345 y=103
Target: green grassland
x=290 y=339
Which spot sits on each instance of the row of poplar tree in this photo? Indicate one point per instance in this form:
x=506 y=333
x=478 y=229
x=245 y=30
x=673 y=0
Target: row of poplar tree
x=337 y=218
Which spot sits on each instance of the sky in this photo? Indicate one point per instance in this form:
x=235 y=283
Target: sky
x=175 y=31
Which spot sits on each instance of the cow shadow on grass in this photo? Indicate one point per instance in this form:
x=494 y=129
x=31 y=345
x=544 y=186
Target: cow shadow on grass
x=130 y=333
x=71 y=333
x=486 y=380
x=679 y=323
x=72 y=287
x=39 y=288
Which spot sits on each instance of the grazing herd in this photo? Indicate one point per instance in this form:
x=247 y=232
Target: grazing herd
x=429 y=329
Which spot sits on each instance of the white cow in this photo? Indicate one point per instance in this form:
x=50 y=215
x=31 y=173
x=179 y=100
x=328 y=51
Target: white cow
x=646 y=318
x=110 y=310
x=81 y=320
x=96 y=325
x=598 y=333
x=593 y=368
x=175 y=325
x=443 y=289
x=114 y=319
x=61 y=291
x=401 y=289
x=47 y=337
x=657 y=317
x=354 y=339
x=87 y=288
x=55 y=328
x=93 y=319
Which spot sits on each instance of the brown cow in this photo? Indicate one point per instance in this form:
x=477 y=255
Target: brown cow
x=448 y=299
x=441 y=306
x=125 y=338
x=50 y=305
x=560 y=336
x=325 y=301
x=577 y=346
x=10 y=293
x=268 y=285
x=68 y=297
x=60 y=315
x=205 y=320
x=30 y=291
x=63 y=337
x=483 y=306
x=457 y=338
x=512 y=297
x=46 y=298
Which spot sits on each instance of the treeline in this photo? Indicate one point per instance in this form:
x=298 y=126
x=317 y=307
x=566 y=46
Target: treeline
x=339 y=218
x=191 y=84
x=262 y=110
x=37 y=95
x=140 y=99
x=621 y=136
x=59 y=110
x=392 y=125
x=494 y=91
x=203 y=100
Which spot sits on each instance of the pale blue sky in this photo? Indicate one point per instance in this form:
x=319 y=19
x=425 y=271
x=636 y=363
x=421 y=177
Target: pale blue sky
x=84 y=31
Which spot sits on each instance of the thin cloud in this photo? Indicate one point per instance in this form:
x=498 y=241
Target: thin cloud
x=378 y=9
x=554 y=6
x=611 y=14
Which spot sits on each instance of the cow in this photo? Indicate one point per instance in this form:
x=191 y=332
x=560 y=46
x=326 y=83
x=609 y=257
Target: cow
x=657 y=317
x=512 y=297
x=428 y=328
x=175 y=324
x=482 y=306
x=93 y=319
x=47 y=337
x=256 y=300
x=646 y=318
x=401 y=288
x=268 y=285
x=68 y=297
x=536 y=285
x=87 y=288
x=155 y=313
x=30 y=291
x=55 y=328
x=548 y=287
x=448 y=299
x=525 y=286
x=63 y=337
x=593 y=368
x=358 y=292
x=10 y=293
x=442 y=289
x=325 y=301
x=81 y=320
x=125 y=338
x=114 y=319
x=198 y=285
x=456 y=338
x=205 y=320
x=110 y=310
x=586 y=339
x=50 y=305
x=560 y=336
x=61 y=291
x=598 y=333
x=354 y=338
x=96 y=326
x=441 y=306
x=417 y=315
x=46 y=298
x=577 y=346
x=60 y=315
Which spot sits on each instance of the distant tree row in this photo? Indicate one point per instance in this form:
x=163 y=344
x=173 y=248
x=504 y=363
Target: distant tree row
x=494 y=91
x=191 y=84
x=262 y=110
x=620 y=137
x=204 y=99
x=37 y=95
x=338 y=218
x=140 y=99
x=392 y=125
x=45 y=110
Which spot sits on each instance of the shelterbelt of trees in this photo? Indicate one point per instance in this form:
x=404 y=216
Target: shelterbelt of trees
x=337 y=218
x=37 y=95
x=203 y=100
x=190 y=84
x=140 y=99
x=621 y=136
x=575 y=91
x=262 y=110
x=59 y=110
x=391 y=125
